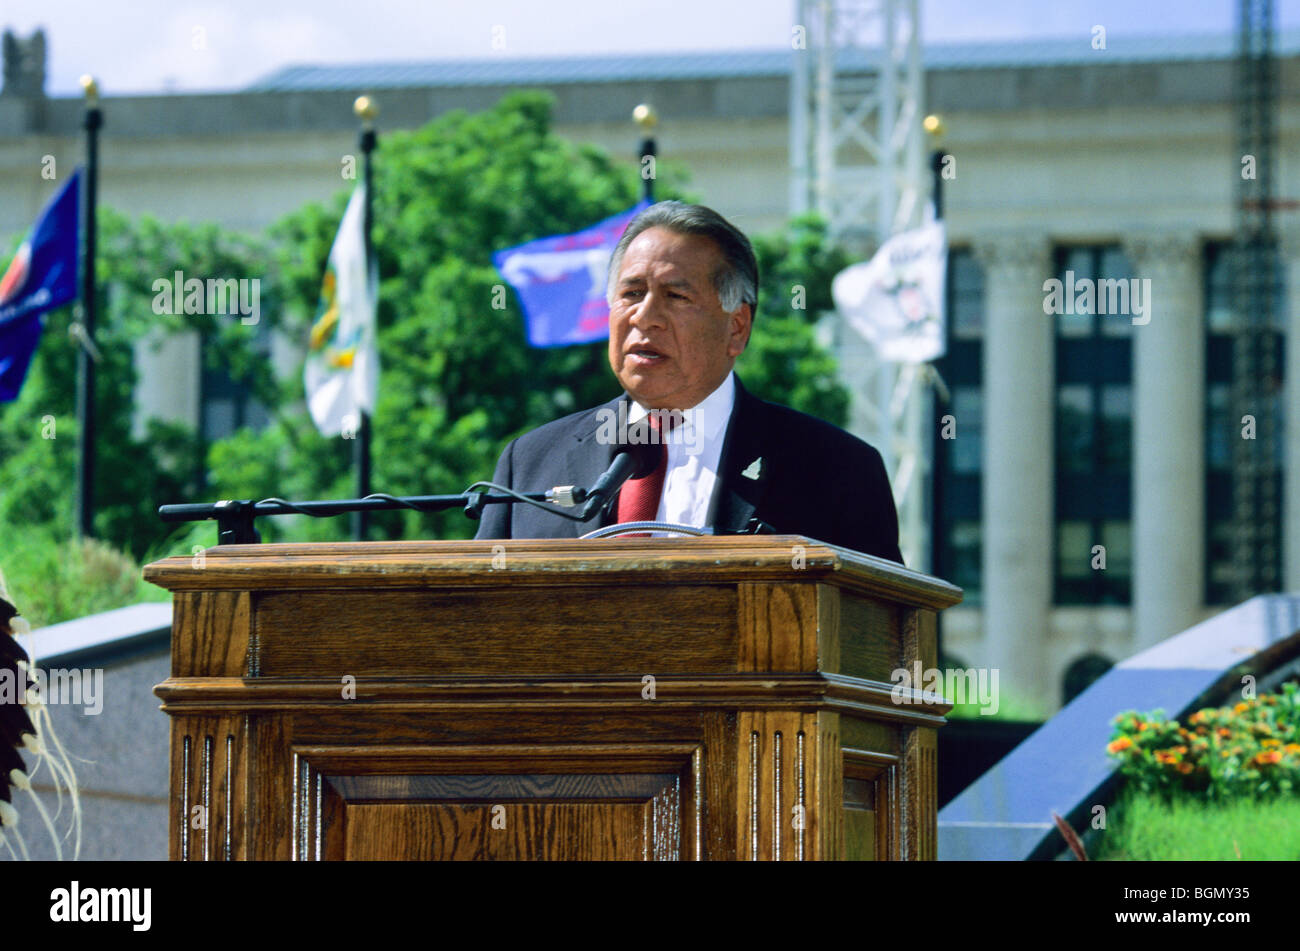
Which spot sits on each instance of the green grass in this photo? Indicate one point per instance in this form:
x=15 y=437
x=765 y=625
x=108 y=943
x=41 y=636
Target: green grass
x=52 y=579
x=1143 y=827
x=1010 y=707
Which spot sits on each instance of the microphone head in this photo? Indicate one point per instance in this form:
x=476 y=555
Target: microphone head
x=645 y=445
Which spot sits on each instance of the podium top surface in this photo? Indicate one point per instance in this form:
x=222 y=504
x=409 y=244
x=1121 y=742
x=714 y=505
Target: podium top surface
x=549 y=562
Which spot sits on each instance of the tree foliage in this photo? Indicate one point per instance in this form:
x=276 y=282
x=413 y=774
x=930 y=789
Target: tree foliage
x=458 y=379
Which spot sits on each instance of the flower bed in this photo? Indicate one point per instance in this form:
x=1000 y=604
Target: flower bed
x=1249 y=749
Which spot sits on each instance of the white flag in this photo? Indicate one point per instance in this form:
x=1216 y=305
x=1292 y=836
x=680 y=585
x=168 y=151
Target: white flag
x=895 y=300
x=342 y=372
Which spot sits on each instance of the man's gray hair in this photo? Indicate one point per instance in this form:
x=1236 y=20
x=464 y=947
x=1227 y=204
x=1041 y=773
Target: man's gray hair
x=736 y=281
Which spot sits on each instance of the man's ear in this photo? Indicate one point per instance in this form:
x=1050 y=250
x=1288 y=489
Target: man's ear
x=745 y=314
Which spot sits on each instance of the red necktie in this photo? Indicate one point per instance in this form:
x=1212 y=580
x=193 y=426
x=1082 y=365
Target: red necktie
x=638 y=500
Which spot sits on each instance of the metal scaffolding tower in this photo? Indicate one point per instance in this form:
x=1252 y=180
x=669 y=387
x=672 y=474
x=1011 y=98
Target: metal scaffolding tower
x=857 y=158
x=855 y=117
x=1256 y=373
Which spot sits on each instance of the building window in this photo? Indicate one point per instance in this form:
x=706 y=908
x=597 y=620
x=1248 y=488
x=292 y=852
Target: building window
x=958 y=461
x=1223 y=421
x=1094 y=435
x=224 y=404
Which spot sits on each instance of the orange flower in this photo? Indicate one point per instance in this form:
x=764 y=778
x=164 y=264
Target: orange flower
x=1241 y=708
x=1119 y=745
x=1268 y=757
x=1223 y=731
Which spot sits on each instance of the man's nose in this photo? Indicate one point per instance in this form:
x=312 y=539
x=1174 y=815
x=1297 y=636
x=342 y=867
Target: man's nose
x=652 y=311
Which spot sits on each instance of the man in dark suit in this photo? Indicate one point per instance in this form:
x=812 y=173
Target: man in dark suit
x=683 y=285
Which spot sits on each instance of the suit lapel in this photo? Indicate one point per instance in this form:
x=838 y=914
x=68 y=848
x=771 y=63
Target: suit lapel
x=743 y=469
x=587 y=458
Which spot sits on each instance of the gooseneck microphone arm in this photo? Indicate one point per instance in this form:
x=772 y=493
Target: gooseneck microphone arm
x=235 y=525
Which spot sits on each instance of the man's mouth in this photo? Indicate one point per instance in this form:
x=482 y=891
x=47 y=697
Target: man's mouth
x=646 y=356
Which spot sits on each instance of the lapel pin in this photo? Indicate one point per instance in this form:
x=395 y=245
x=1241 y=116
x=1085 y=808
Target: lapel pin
x=753 y=469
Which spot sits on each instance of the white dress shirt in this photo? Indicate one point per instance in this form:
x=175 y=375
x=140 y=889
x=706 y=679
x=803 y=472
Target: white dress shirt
x=694 y=454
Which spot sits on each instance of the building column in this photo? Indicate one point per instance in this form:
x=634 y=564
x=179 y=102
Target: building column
x=1290 y=247
x=1018 y=472
x=1168 y=437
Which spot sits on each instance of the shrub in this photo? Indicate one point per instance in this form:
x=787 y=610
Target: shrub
x=1251 y=749
x=52 y=579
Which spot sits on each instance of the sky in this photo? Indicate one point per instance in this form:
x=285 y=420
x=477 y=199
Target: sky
x=193 y=45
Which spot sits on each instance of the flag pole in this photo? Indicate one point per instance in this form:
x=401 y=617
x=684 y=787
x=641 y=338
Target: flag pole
x=645 y=118
x=933 y=124
x=366 y=110
x=83 y=327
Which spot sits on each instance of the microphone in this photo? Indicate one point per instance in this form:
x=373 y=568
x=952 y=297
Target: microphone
x=633 y=459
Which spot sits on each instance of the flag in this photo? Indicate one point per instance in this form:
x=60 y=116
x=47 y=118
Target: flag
x=895 y=300
x=560 y=281
x=342 y=371
x=42 y=276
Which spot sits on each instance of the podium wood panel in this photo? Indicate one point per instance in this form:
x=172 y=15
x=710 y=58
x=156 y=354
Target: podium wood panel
x=659 y=699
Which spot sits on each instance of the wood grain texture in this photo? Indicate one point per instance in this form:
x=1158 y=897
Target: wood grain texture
x=862 y=699
x=210 y=633
x=870 y=638
x=778 y=815
x=872 y=805
x=920 y=780
x=558 y=831
x=210 y=789
x=522 y=632
x=551 y=563
x=377 y=700
x=612 y=801
x=778 y=627
x=828 y=792
x=920 y=638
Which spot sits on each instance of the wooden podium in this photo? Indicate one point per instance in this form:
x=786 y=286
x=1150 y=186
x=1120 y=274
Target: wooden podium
x=635 y=698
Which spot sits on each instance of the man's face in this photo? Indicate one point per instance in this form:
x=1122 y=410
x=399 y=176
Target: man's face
x=670 y=342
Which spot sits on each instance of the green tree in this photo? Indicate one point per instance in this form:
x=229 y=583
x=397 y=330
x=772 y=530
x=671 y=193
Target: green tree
x=457 y=376
x=38 y=431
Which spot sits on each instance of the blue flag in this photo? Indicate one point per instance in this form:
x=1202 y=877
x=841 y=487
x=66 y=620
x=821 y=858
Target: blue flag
x=42 y=276
x=561 y=281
